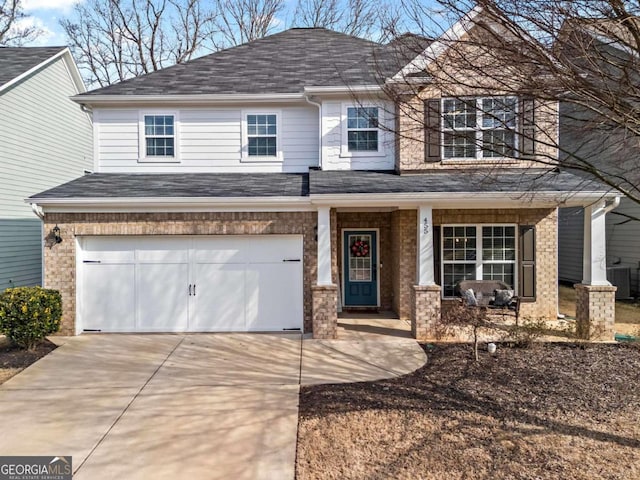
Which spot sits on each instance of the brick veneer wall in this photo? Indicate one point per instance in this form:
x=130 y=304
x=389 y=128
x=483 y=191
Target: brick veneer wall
x=381 y=221
x=404 y=236
x=60 y=261
x=595 y=311
x=425 y=311
x=546 y=222
x=325 y=311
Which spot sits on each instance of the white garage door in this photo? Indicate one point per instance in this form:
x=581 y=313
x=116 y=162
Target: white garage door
x=190 y=284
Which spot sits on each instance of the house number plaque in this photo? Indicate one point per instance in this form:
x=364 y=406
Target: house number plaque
x=425 y=225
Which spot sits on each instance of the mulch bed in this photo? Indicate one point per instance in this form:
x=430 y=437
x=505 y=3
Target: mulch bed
x=13 y=359
x=553 y=411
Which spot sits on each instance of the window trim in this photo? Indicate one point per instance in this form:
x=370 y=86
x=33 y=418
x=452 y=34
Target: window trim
x=479 y=129
x=244 y=154
x=142 y=137
x=344 y=147
x=479 y=262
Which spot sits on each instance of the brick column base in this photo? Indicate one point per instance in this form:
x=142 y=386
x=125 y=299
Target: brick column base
x=325 y=311
x=595 y=311
x=425 y=310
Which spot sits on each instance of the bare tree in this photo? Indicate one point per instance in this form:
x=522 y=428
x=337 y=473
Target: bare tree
x=14 y=31
x=114 y=40
x=583 y=55
x=241 y=21
x=361 y=18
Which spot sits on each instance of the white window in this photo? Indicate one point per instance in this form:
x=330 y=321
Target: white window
x=261 y=136
x=158 y=137
x=361 y=133
x=477 y=252
x=479 y=128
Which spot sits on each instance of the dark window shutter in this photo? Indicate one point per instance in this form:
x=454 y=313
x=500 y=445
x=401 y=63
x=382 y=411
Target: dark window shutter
x=432 y=131
x=527 y=127
x=527 y=263
x=436 y=255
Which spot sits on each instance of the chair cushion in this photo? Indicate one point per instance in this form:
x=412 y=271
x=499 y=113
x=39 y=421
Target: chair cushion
x=503 y=297
x=469 y=298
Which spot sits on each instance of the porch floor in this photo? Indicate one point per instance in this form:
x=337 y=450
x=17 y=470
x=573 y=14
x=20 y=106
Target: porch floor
x=372 y=326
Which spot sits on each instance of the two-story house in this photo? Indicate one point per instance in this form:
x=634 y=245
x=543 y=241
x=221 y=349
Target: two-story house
x=263 y=187
x=45 y=140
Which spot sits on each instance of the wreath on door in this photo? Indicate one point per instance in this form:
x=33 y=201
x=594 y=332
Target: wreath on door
x=360 y=248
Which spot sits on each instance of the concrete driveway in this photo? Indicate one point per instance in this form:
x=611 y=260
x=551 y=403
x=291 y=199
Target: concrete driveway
x=180 y=406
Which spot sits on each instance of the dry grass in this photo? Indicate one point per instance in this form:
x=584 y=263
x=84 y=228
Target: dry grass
x=627 y=313
x=13 y=359
x=556 y=411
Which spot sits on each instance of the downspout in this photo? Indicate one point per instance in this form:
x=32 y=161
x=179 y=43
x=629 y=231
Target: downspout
x=37 y=209
x=319 y=105
x=615 y=203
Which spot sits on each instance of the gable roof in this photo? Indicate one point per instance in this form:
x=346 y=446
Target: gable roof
x=283 y=63
x=17 y=63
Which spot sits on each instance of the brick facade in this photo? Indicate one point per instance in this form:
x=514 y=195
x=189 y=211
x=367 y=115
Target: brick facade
x=425 y=310
x=404 y=234
x=325 y=311
x=60 y=261
x=595 y=311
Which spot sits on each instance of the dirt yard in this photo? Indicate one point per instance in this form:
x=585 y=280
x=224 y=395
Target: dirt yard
x=13 y=360
x=627 y=312
x=554 y=411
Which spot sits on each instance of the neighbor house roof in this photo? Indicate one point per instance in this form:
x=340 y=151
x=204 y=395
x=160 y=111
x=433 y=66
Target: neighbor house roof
x=17 y=63
x=283 y=63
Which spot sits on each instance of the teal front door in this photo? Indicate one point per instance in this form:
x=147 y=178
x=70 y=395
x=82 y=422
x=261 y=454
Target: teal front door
x=360 y=263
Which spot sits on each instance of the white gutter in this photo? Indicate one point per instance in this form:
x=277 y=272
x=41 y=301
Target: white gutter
x=615 y=203
x=343 y=89
x=37 y=210
x=187 y=99
x=319 y=105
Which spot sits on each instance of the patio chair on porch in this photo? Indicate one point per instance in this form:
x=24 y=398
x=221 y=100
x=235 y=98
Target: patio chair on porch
x=493 y=295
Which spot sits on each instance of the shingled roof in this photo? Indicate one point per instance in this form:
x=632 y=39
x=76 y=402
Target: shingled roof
x=14 y=61
x=285 y=62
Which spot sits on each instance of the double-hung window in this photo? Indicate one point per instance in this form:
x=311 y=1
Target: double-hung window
x=477 y=252
x=159 y=135
x=479 y=128
x=362 y=129
x=262 y=135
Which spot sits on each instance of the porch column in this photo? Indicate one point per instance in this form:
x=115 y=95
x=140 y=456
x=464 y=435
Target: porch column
x=324 y=246
x=424 y=255
x=595 y=296
x=425 y=295
x=324 y=293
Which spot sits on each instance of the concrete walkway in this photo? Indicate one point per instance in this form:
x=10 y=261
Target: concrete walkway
x=181 y=406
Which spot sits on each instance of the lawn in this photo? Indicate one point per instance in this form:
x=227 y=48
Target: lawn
x=627 y=312
x=553 y=411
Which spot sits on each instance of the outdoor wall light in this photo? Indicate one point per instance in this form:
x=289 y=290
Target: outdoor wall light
x=56 y=234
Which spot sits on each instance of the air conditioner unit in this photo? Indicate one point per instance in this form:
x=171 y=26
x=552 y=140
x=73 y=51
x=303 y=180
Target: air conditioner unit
x=620 y=277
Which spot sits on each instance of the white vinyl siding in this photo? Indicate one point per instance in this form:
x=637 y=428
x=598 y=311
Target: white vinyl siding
x=46 y=141
x=209 y=140
x=335 y=155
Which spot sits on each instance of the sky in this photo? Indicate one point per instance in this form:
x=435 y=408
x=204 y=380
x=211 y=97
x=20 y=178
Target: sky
x=46 y=15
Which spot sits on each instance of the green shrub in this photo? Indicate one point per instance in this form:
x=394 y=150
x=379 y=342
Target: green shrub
x=28 y=314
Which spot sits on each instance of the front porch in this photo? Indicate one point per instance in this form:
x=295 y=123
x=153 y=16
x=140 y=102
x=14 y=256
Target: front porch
x=394 y=262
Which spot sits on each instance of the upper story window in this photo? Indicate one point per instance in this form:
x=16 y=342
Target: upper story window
x=362 y=129
x=361 y=132
x=159 y=132
x=158 y=137
x=479 y=128
x=261 y=136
